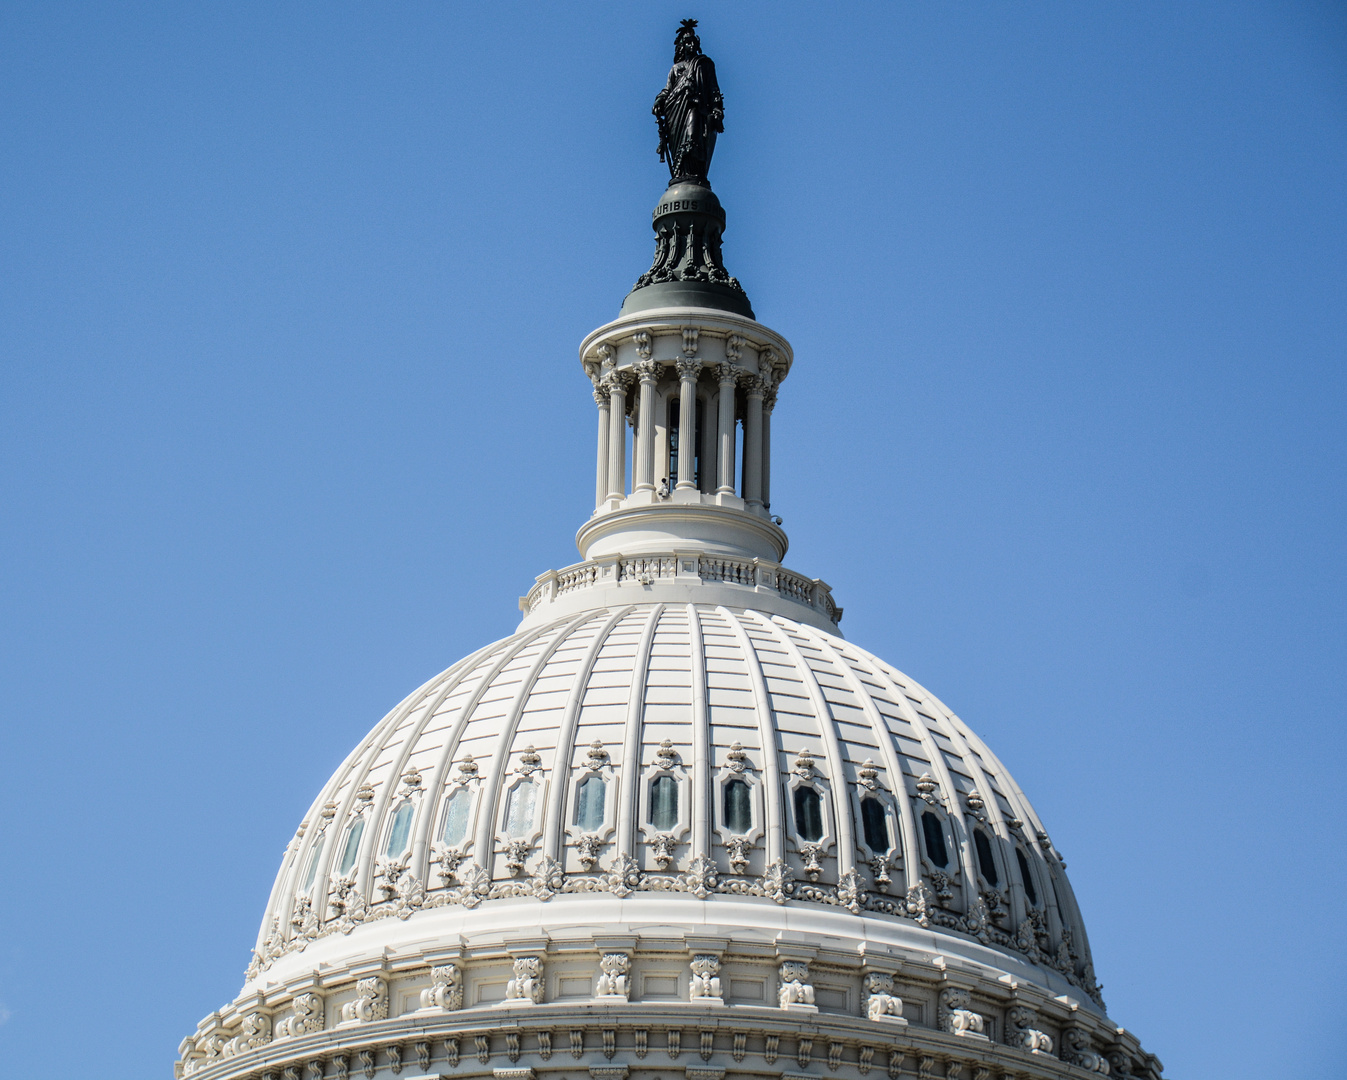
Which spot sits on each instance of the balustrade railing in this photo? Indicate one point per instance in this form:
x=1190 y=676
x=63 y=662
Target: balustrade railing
x=754 y=574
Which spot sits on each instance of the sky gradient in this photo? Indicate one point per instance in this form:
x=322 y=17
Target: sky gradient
x=291 y=413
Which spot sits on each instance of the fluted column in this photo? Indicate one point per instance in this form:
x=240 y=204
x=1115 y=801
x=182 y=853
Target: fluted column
x=728 y=376
x=601 y=479
x=688 y=370
x=644 y=464
x=768 y=404
x=710 y=436
x=754 y=389
x=617 y=437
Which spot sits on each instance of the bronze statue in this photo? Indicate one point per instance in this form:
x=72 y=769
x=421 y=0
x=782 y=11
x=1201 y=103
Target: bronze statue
x=689 y=109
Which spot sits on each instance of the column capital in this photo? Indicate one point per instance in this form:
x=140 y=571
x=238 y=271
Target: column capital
x=727 y=373
x=754 y=385
x=688 y=369
x=618 y=382
x=647 y=370
x=601 y=398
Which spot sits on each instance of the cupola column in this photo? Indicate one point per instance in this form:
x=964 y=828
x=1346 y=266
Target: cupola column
x=601 y=478
x=728 y=376
x=688 y=370
x=644 y=464
x=710 y=437
x=755 y=388
x=617 y=438
x=768 y=403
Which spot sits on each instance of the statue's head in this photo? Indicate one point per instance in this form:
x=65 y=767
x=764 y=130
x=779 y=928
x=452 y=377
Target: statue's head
x=686 y=42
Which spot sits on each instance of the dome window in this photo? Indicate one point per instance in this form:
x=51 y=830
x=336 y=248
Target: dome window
x=875 y=826
x=352 y=848
x=664 y=803
x=738 y=808
x=1026 y=877
x=589 y=800
x=456 y=808
x=519 y=810
x=808 y=814
x=935 y=840
x=986 y=864
x=314 y=858
x=401 y=832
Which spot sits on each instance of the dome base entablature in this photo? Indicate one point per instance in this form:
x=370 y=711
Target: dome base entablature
x=584 y=989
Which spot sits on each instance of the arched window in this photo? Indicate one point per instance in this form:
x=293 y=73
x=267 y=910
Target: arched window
x=808 y=814
x=456 y=809
x=314 y=857
x=352 y=848
x=664 y=803
x=589 y=798
x=738 y=811
x=875 y=826
x=986 y=864
x=401 y=832
x=1026 y=877
x=935 y=840
x=519 y=810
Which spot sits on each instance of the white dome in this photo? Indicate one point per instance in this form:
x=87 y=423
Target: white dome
x=682 y=730
x=674 y=801
x=847 y=819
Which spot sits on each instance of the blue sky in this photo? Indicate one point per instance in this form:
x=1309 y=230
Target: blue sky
x=290 y=414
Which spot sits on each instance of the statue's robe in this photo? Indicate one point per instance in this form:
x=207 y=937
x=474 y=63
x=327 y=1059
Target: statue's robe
x=688 y=100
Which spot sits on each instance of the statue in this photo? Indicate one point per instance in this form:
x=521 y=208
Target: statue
x=689 y=110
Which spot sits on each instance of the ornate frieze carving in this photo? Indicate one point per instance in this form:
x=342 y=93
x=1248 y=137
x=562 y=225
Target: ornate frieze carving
x=662 y=848
x=795 y=989
x=1078 y=1051
x=1021 y=1030
x=445 y=990
x=370 y=1004
x=738 y=848
x=306 y=1016
x=690 y=335
x=956 y=1016
x=701 y=877
x=613 y=981
x=705 y=982
x=254 y=1032
x=527 y=983
x=770 y=1045
x=878 y=1001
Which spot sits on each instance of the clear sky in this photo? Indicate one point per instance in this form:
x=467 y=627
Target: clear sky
x=290 y=414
